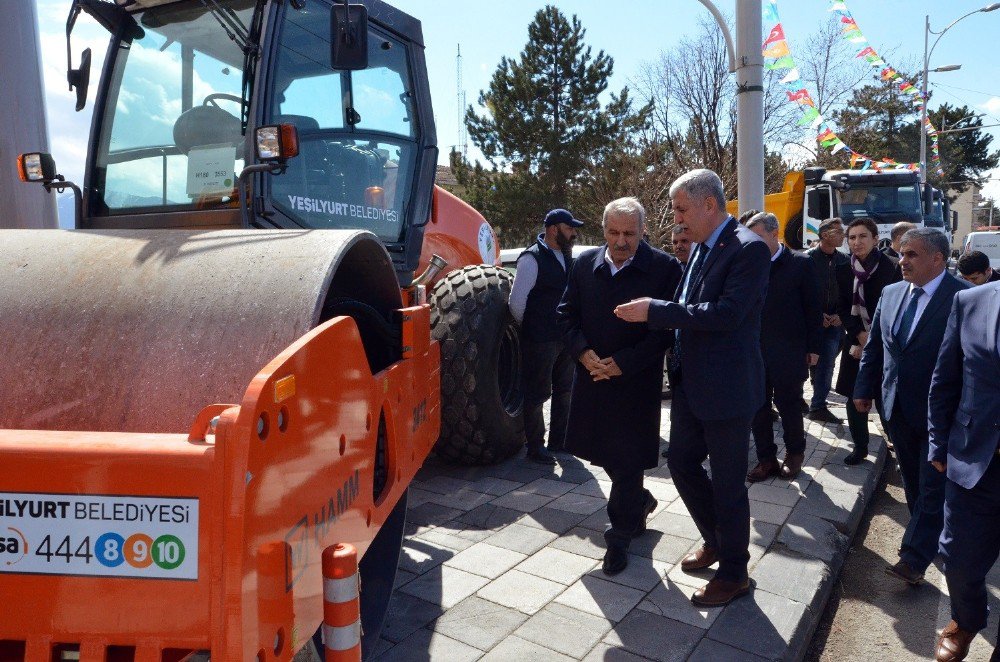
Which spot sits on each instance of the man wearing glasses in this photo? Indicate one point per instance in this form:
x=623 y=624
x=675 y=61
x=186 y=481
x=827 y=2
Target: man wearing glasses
x=827 y=260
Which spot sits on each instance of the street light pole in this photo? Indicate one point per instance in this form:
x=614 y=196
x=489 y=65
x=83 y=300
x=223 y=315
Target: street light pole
x=747 y=62
x=923 y=81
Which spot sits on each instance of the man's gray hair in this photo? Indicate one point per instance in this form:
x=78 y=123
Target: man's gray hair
x=768 y=220
x=700 y=184
x=933 y=239
x=625 y=207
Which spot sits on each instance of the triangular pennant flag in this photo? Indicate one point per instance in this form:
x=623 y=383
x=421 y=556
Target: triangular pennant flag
x=866 y=52
x=839 y=145
x=777 y=34
x=791 y=76
x=808 y=115
x=781 y=63
x=776 y=50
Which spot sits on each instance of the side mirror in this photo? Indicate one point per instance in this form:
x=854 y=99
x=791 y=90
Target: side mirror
x=928 y=200
x=79 y=79
x=36 y=167
x=349 y=37
x=41 y=167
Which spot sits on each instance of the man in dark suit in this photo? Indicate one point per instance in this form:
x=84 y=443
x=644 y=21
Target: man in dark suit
x=964 y=419
x=974 y=267
x=614 y=413
x=789 y=342
x=896 y=238
x=719 y=377
x=539 y=283
x=899 y=360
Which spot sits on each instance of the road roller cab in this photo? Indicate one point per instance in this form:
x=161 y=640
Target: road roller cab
x=229 y=366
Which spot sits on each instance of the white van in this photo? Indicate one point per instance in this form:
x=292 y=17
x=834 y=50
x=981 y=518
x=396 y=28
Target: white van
x=985 y=242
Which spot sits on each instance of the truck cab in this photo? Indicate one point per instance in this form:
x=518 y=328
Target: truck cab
x=186 y=83
x=886 y=197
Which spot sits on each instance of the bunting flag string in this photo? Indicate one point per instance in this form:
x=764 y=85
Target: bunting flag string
x=851 y=31
x=778 y=57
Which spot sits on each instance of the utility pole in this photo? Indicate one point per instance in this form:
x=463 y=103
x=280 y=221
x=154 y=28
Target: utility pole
x=22 y=116
x=749 y=105
x=746 y=60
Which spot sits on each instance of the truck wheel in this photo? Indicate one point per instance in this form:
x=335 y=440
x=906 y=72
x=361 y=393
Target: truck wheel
x=793 y=233
x=481 y=397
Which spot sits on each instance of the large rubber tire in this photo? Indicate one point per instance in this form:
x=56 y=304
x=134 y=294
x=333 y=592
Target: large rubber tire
x=482 y=419
x=794 y=232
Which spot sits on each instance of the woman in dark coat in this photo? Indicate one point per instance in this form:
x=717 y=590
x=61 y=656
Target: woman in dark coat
x=861 y=283
x=614 y=422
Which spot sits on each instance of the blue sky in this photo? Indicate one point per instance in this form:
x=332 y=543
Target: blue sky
x=633 y=32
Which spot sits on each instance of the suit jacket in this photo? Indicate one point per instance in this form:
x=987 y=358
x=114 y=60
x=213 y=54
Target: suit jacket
x=721 y=364
x=616 y=422
x=886 y=273
x=964 y=407
x=904 y=371
x=791 y=319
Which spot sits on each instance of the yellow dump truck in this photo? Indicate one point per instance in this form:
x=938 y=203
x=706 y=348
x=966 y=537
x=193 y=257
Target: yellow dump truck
x=809 y=196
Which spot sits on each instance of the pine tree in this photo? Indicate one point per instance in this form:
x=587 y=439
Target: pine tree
x=545 y=130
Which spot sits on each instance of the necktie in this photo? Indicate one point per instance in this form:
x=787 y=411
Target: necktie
x=697 y=260
x=906 y=323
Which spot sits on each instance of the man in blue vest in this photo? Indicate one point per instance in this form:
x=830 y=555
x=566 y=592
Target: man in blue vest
x=538 y=286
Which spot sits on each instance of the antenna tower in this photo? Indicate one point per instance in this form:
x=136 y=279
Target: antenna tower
x=463 y=136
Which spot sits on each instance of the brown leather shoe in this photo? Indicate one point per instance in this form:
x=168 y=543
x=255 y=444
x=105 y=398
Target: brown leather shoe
x=763 y=471
x=792 y=465
x=953 y=644
x=704 y=557
x=902 y=570
x=720 y=592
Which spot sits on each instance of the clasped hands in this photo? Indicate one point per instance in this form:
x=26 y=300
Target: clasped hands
x=600 y=369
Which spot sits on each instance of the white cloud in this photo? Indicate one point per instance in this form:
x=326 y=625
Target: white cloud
x=992 y=105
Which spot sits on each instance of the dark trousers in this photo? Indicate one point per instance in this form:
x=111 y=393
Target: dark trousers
x=788 y=399
x=970 y=545
x=857 y=423
x=625 y=506
x=830 y=340
x=719 y=505
x=924 y=488
x=547 y=371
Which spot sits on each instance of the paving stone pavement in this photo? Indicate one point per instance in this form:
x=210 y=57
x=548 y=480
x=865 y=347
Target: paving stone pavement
x=503 y=563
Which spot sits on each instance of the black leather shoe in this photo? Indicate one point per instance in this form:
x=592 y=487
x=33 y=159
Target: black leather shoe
x=541 y=456
x=823 y=415
x=615 y=560
x=647 y=508
x=902 y=570
x=857 y=456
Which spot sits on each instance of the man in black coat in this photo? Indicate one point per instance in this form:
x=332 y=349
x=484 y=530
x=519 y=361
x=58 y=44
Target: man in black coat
x=719 y=377
x=789 y=342
x=614 y=414
x=898 y=362
x=827 y=259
